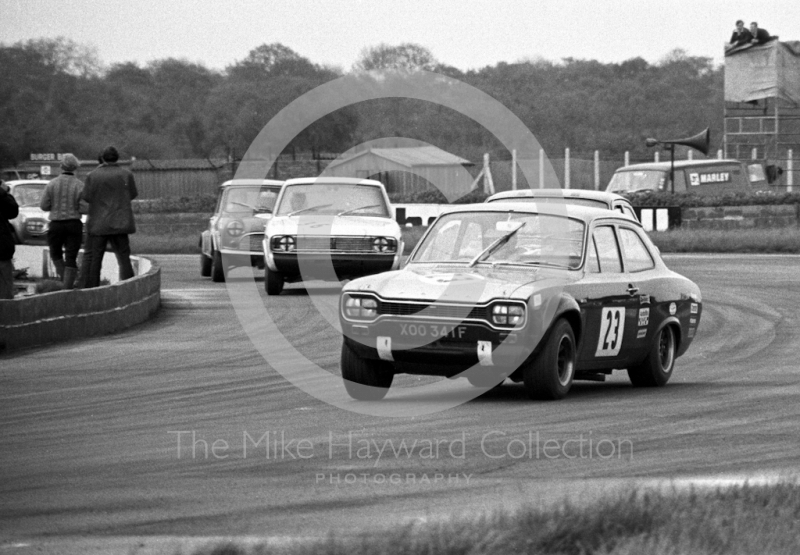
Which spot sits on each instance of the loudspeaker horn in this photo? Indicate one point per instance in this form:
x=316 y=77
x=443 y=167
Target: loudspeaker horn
x=699 y=142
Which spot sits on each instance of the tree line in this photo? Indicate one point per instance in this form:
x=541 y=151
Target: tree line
x=57 y=96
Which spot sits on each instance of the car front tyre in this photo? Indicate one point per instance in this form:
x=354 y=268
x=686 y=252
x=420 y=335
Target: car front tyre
x=656 y=369
x=550 y=374
x=217 y=271
x=205 y=265
x=273 y=282
x=365 y=380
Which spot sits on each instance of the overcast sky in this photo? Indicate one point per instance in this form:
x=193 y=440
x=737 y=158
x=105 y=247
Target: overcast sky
x=463 y=33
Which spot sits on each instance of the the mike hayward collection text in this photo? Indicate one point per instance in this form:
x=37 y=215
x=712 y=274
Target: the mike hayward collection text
x=491 y=444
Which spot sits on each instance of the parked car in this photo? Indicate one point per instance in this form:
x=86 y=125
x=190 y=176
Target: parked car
x=521 y=291
x=703 y=177
x=598 y=199
x=30 y=226
x=330 y=228
x=236 y=230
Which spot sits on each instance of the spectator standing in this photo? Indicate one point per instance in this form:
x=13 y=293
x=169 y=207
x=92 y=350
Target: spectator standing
x=760 y=36
x=109 y=191
x=8 y=211
x=61 y=198
x=741 y=35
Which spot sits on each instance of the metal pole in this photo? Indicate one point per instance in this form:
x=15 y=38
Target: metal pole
x=541 y=168
x=790 y=170
x=627 y=158
x=672 y=166
x=596 y=170
x=657 y=156
x=719 y=154
x=566 y=168
x=514 y=169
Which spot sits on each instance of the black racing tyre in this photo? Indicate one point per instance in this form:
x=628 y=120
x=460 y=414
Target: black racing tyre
x=365 y=380
x=656 y=369
x=550 y=374
x=205 y=265
x=273 y=282
x=217 y=271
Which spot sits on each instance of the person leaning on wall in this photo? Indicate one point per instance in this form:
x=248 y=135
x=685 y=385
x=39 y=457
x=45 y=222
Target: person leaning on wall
x=61 y=198
x=109 y=191
x=8 y=211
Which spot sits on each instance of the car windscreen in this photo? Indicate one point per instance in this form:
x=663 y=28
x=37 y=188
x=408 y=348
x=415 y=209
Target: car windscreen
x=29 y=194
x=503 y=238
x=255 y=199
x=342 y=199
x=638 y=180
x=554 y=200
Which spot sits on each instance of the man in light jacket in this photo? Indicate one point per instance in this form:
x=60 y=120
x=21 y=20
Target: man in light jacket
x=109 y=191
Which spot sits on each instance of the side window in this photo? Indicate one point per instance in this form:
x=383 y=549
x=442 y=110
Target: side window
x=592 y=262
x=637 y=257
x=607 y=250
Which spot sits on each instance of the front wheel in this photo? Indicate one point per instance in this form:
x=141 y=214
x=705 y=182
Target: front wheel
x=365 y=380
x=217 y=271
x=656 y=369
x=550 y=374
x=273 y=282
x=205 y=265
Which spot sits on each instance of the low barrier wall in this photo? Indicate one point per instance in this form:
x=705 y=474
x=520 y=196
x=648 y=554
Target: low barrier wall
x=61 y=315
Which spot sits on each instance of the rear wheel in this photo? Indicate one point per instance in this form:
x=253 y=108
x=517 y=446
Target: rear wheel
x=365 y=380
x=217 y=271
x=273 y=282
x=656 y=369
x=550 y=374
x=205 y=265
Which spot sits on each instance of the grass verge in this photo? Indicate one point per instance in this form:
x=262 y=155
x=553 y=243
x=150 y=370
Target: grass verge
x=740 y=520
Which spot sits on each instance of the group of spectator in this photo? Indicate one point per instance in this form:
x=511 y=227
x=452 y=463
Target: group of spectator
x=755 y=35
x=105 y=198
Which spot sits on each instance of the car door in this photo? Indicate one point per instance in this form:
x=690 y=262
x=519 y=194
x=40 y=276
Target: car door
x=643 y=278
x=606 y=303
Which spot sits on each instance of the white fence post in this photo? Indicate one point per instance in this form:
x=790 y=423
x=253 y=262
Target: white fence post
x=790 y=169
x=657 y=156
x=627 y=158
x=689 y=154
x=596 y=170
x=514 y=169
x=541 y=168
x=755 y=153
x=719 y=154
x=566 y=168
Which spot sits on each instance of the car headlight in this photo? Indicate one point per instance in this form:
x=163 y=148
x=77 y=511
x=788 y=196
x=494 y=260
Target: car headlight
x=235 y=228
x=35 y=226
x=284 y=243
x=510 y=315
x=384 y=244
x=361 y=308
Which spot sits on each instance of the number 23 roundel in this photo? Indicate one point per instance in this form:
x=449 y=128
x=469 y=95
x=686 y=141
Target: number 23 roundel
x=612 y=326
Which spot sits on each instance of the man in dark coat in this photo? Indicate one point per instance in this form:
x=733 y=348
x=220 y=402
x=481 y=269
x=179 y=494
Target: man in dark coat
x=8 y=211
x=760 y=36
x=109 y=191
x=741 y=35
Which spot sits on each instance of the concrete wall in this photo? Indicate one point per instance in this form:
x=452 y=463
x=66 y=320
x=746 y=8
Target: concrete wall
x=61 y=315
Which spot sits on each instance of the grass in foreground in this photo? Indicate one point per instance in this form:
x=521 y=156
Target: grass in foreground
x=781 y=240
x=740 y=520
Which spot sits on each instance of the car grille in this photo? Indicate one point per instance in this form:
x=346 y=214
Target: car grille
x=433 y=310
x=306 y=243
x=252 y=242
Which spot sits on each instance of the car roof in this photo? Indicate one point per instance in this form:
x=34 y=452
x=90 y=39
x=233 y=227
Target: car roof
x=602 y=196
x=17 y=182
x=251 y=182
x=679 y=164
x=585 y=213
x=342 y=180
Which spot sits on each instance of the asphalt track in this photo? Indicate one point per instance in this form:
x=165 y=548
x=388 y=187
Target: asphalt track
x=89 y=444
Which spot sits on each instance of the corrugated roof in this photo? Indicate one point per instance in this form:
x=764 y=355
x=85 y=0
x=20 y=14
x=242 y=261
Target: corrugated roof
x=412 y=156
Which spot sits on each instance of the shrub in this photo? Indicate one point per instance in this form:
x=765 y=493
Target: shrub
x=692 y=200
x=204 y=203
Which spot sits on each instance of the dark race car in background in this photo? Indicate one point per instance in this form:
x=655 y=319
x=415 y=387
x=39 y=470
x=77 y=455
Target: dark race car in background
x=540 y=294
